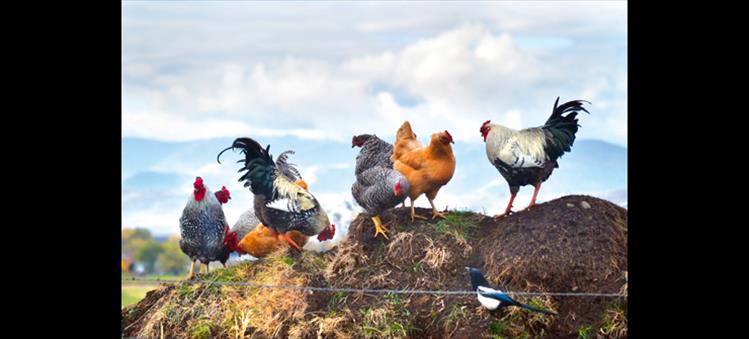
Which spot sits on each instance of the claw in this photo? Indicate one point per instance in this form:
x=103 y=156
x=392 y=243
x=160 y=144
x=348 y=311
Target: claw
x=381 y=230
x=379 y=227
x=438 y=215
x=417 y=216
x=499 y=216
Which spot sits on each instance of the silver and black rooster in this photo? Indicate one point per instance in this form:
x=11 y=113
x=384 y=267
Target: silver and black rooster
x=528 y=156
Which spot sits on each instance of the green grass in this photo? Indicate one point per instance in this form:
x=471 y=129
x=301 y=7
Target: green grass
x=615 y=320
x=583 y=332
x=457 y=312
x=391 y=320
x=201 y=330
x=133 y=293
x=337 y=298
x=460 y=224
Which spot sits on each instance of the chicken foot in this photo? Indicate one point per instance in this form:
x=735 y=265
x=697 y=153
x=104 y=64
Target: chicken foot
x=192 y=271
x=508 y=210
x=380 y=228
x=435 y=213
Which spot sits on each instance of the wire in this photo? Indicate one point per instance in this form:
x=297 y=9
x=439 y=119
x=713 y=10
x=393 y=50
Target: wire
x=369 y=290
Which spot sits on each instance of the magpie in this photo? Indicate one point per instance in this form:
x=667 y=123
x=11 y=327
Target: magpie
x=492 y=298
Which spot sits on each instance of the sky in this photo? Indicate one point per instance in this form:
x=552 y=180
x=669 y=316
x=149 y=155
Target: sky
x=307 y=76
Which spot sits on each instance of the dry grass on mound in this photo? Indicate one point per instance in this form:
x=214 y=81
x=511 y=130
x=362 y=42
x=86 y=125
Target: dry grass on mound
x=557 y=246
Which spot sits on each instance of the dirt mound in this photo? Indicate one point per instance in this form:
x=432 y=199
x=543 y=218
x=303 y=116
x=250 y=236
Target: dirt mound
x=571 y=244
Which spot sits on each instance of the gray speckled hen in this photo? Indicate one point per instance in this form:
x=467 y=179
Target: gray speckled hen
x=202 y=227
x=374 y=152
x=378 y=186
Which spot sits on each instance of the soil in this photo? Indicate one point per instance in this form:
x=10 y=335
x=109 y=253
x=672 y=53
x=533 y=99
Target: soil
x=571 y=244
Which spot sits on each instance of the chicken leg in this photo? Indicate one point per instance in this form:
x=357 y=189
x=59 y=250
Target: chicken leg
x=413 y=213
x=508 y=210
x=379 y=227
x=288 y=239
x=192 y=271
x=435 y=213
x=535 y=193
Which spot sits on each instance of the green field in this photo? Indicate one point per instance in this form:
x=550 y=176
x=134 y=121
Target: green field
x=132 y=292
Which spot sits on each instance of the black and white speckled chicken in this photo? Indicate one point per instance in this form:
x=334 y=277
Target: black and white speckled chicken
x=529 y=156
x=279 y=203
x=378 y=186
x=203 y=226
x=374 y=152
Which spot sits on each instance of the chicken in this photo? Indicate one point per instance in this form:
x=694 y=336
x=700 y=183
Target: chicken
x=375 y=152
x=280 y=205
x=427 y=169
x=256 y=239
x=262 y=240
x=378 y=186
x=405 y=141
x=248 y=221
x=202 y=227
x=529 y=156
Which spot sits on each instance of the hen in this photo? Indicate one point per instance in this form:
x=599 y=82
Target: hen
x=374 y=152
x=405 y=141
x=202 y=227
x=280 y=205
x=378 y=186
x=427 y=169
x=529 y=156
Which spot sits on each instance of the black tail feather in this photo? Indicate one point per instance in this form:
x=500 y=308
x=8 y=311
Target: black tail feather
x=529 y=307
x=258 y=164
x=561 y=128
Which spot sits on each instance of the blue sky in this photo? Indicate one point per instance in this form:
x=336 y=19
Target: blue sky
x=307 y=76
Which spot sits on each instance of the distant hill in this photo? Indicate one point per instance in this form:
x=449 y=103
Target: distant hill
x=593 y=167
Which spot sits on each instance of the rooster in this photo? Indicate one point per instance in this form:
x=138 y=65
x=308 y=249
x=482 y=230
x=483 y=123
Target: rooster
x=528 y=156
x=247 y=222
x=378 y=186
x=427 y=169
x=280 y=205
x=250 y=236
x=202 y=227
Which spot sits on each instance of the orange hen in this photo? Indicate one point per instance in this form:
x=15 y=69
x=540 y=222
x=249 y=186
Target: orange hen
x=405 y=141
x=262 y=240
x=427 y=169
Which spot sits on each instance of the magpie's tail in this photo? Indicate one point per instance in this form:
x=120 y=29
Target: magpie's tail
x=529 y=307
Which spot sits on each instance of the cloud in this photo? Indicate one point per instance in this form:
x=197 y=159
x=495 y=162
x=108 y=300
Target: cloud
x=200 y=72
x=455 y=78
